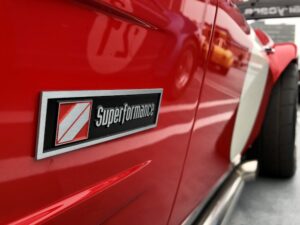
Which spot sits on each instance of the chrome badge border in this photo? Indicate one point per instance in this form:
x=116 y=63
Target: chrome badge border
x=46 y=95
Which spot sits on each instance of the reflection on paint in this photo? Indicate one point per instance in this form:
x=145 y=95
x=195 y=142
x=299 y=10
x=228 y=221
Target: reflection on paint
x=211 y=120
x=107 y=58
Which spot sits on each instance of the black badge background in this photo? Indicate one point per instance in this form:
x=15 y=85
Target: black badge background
x=100 y=132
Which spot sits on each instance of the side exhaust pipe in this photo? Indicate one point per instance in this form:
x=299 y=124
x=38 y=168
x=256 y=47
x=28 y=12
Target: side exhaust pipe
x=218 y=210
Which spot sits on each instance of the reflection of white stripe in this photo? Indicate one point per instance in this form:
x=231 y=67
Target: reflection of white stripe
x=177 y=108
x=210 y=104
x=211 y=120
x=67 y=122
x=222 y=88
x=218 y=103
x=77 y=126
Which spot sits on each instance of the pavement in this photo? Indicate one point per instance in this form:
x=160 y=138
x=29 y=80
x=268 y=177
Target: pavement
x=270 y=201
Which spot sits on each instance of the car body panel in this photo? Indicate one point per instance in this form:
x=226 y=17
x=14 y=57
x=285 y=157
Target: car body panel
x=55 y=209
x=278 y=63
x=69 y=45
x=208 y=157
x=251 y=98
x=153 y=177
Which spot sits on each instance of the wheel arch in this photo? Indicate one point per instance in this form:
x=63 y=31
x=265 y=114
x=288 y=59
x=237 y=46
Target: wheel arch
x=248 y=152
x=284 y=54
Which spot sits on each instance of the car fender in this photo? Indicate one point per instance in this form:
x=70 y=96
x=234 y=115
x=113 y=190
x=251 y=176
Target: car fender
x=280 y=55
x=283 y=55
x=277 y=64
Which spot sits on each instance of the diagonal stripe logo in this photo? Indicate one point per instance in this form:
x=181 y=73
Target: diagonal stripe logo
x=73 y=121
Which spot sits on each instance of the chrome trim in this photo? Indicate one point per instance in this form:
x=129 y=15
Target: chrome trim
x=218 y=208
x=195 y=213
x=45 y=96
x=269 y=50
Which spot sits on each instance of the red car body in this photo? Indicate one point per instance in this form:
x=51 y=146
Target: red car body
x=158 y=176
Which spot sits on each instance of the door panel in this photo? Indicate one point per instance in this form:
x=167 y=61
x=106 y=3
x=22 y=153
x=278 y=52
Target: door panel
x=208 y=157
x=85 y=45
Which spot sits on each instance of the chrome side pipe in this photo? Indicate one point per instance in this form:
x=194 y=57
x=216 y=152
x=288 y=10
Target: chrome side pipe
x=219 y=208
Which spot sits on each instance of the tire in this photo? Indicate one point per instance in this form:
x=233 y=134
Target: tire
x=298 y=95
x=298 y=86
x=275 y=145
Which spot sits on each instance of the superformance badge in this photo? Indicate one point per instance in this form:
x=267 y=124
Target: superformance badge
x=71 y=120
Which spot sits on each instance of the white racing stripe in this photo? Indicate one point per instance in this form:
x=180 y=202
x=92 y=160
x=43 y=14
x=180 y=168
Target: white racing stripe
x=251 y=97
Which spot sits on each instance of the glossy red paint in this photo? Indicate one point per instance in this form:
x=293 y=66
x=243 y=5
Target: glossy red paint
x=57 y=208
x=208 y=155
x=196 y=51
x=69 y=45
x=279 y=63
x=264 y=38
